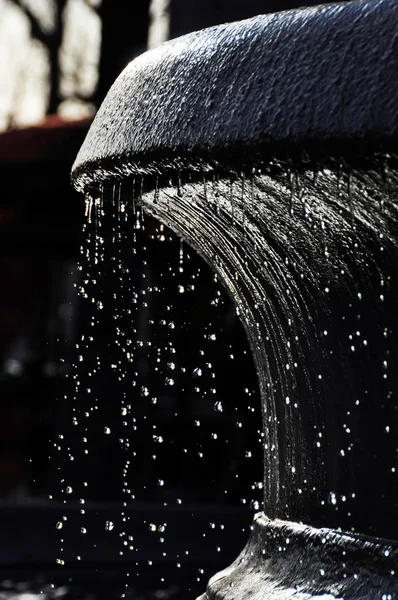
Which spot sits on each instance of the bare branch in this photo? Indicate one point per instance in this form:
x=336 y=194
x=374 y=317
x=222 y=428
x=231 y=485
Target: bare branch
x=35 y=28
x=61 y=5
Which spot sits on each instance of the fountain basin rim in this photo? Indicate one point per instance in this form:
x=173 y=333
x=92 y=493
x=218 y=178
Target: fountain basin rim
x=316 y=74
x=164 y=166
x=350 y=539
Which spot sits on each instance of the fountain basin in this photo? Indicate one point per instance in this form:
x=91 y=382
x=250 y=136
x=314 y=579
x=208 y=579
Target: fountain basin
x=310 y=76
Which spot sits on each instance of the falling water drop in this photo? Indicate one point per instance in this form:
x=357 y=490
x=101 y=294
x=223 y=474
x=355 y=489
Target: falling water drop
x=255 y=505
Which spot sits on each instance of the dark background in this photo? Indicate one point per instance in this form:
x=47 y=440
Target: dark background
x=42 y=318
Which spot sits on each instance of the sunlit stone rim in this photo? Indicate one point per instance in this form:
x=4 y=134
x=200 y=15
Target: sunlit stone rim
x=315 y=74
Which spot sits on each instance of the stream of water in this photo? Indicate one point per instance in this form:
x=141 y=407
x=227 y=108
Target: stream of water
x=308 y=257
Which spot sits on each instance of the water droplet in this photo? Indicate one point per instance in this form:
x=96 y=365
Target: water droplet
x=218 y=407
x=69 y=489
x=109 y=525
x=107 y=430
x=197 y=372
x=59 y=525
x=332 y=498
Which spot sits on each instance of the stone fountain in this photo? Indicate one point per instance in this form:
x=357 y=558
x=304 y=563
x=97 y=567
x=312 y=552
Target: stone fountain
x=269 y=145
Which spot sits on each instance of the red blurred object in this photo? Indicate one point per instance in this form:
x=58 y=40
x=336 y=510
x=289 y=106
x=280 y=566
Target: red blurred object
x=51 y=140
x=39 y=211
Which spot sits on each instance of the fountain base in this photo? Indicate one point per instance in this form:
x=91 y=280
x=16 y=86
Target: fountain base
x=284 y=560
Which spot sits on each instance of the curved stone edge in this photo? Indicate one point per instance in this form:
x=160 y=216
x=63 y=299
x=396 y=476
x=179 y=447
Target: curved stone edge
x=157 y=170
x=321 y=73
x=284 y=560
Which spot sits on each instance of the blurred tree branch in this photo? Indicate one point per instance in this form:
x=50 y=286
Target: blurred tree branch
x=35 y=28
x=121 y=38
x=52 y=40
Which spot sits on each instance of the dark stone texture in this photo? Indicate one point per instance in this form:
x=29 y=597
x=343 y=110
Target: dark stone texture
x=314 y=75
x=285 y=560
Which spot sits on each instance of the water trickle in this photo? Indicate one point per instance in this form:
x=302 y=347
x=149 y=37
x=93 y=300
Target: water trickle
x=150 y=366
